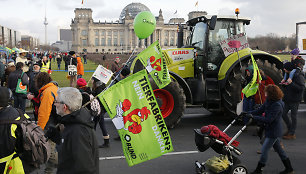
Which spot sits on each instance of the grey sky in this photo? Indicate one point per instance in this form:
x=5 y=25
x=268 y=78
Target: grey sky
x=268 y=16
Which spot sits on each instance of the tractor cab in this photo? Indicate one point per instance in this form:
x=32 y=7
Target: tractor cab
x=206 y=32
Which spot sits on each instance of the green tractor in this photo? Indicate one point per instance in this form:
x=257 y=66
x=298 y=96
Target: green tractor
x=202 y=74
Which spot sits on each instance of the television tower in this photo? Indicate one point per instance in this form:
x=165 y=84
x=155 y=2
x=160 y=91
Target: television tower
x=46 y=23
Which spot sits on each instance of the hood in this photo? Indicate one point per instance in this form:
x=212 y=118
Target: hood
x=81 y=116
x=51 y=84
x=79 y=59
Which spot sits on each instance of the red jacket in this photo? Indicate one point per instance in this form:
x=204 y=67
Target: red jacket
x=260 y=97
x=215 y=132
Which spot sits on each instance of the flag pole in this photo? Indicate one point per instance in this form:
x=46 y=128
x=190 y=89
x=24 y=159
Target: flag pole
x=113 y=81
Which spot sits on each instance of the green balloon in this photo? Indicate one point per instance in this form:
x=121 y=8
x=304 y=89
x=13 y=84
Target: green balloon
x=144 y=24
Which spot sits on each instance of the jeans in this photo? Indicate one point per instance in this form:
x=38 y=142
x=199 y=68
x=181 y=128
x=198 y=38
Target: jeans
x=19 y=101
x=248 y=105
x=102 y=125
x=59 y=66
x=267 y=145
x=291 y=124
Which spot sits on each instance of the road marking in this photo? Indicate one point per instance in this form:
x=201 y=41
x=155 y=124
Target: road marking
x=167 y=154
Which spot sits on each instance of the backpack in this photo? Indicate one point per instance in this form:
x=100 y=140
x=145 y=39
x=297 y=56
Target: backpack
x=34 y=148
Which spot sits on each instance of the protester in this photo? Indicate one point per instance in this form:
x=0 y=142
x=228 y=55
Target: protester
x=24 y=60
x=78 y=150
x=97 y=88
x=19 y=98
x=80 y=68
x=85 y=58
x=72 y=61
x=59 y=61
x=115 y=66
x=65 y=59
x=288 y=77
x=248 y=102
x=260 y=97
x=45 y=65
x=273 y=109
x=46 y=112
x=2 y=70
x=10 y=161
x=9 y=69
x=33 y=90
x=293 y=96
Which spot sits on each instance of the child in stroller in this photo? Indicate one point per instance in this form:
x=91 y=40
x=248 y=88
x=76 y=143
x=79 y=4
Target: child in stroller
x=221 y=143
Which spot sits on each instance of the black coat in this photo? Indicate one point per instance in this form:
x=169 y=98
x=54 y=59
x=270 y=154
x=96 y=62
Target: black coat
x=293 y=92
x=8 y=142
x=13 y=79
x=273 y=117
x=78 y=151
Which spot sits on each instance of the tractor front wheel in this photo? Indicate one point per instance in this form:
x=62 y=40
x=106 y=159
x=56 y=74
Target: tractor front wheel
x=172 y=102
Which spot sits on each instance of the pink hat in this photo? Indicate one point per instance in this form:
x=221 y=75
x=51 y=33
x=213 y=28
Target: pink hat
x=81 y=82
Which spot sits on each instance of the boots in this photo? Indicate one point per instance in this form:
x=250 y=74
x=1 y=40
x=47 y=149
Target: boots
x=259 y=168
x=106 y=142
x=288 y=167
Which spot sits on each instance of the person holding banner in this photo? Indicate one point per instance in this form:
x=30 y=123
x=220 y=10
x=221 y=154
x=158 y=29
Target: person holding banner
x=248 y=102
x=72 y=63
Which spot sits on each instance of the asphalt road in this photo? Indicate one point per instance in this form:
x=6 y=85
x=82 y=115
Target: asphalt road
x=181 y=161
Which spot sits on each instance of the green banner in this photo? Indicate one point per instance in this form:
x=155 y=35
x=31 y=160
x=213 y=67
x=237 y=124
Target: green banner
x=152 y=59
x=252 y=87
x=132 y=106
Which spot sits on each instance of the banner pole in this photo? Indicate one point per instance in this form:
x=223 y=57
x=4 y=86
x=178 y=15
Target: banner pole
x=111 y=84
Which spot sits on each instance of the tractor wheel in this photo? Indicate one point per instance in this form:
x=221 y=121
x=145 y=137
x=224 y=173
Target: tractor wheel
x=231 y=94
x=304 y=96
x=172 y=102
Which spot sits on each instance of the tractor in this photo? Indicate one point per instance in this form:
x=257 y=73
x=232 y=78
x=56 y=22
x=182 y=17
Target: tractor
x=201 y=73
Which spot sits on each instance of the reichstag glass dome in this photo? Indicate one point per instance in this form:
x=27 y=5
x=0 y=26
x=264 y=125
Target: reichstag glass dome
x=133 y=9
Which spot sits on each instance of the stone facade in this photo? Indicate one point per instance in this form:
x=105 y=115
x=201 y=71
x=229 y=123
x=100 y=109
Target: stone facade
x=117 y=37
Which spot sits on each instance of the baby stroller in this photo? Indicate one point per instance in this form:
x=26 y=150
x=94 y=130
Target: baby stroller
x=227 y=162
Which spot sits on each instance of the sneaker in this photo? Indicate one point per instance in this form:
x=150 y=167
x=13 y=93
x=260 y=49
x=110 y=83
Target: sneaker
x=289 y=137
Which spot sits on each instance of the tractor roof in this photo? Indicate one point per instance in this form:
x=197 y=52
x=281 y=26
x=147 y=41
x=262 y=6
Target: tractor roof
x=206 y=18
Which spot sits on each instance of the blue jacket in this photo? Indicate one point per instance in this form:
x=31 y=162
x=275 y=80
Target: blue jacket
x=273 y=117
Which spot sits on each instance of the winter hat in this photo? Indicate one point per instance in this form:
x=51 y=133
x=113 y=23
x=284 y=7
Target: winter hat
x=205 y=129
x=250 y=69
x=295 y=51
x=5 y=95
x=288 y=66
x=71 y=53
x=81 y=82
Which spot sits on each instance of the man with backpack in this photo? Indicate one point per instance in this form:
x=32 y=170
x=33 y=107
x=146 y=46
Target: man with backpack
x=78 y=149
x=9 y=159
x=19 y=80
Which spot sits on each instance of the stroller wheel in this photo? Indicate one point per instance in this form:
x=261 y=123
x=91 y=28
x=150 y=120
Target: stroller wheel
x=199 y=168
x=239 y=169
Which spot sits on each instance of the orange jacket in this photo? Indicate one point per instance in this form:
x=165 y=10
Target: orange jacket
x=80 y=67
x=47 y=95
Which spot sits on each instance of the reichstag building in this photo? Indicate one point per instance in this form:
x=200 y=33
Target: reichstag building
x=119 y=36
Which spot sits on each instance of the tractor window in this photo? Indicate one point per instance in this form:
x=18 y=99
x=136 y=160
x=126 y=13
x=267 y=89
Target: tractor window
x=198 y=36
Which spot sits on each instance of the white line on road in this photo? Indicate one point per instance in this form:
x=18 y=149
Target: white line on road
x=171 y=153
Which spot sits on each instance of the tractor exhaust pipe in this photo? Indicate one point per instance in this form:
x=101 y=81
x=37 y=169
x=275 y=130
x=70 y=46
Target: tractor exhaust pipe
x=180 y=36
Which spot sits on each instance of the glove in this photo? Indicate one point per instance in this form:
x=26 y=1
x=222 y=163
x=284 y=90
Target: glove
x=53 y=134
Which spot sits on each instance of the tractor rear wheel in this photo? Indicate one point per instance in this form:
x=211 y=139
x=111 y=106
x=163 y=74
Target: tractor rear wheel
x=231 y=94
x=172 y=102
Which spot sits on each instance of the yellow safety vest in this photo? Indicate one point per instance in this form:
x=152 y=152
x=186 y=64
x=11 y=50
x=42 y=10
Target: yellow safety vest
x=45 y=67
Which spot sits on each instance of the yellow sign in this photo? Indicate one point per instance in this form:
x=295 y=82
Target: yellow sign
x=304 y=44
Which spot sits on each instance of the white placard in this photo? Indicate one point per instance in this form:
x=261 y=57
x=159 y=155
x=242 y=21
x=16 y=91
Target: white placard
x=72 y=70
x=181 y=54
x=228 y=50
x=103 y=74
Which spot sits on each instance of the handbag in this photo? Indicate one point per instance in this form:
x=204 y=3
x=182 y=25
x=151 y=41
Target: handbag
x=21 y=89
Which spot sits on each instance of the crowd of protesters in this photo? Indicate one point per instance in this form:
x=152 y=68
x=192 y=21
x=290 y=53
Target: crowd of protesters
x=71 y=127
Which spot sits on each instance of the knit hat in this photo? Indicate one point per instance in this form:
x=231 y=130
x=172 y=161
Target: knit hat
x=295 y=51
x=71 y=53
x=205 y=129
x=5 y=95
x=288 y=66
x=81 y=82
